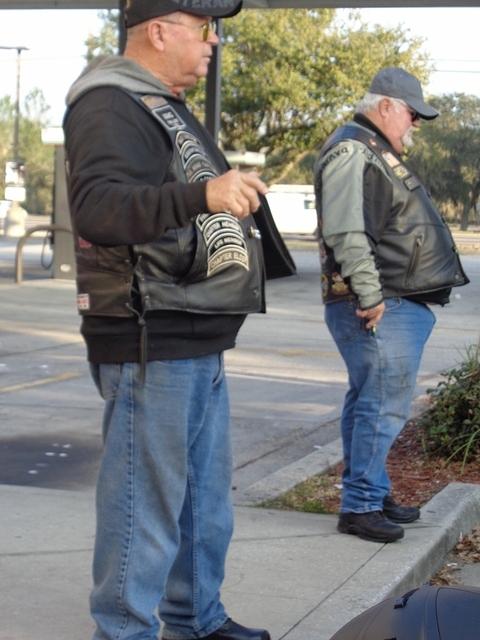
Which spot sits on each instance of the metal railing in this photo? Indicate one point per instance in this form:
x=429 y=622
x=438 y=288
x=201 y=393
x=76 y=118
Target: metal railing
x=49 y=229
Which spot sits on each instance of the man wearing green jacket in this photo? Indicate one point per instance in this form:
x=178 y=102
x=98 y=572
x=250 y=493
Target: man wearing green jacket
x=387 y=257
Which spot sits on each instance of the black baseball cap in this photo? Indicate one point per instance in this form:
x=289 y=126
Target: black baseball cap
x=398 y=83
x=137 y=11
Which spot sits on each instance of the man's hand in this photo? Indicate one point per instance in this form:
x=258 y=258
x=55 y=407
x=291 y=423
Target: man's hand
x=372 y=316
x=235 y=192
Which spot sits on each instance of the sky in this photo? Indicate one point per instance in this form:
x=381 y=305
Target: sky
x=56 y=49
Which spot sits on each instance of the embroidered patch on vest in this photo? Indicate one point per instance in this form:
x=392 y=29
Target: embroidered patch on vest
x=335 y=153
x=390 y=159
x=169 y=118
x=195 y=162
x=401 y=171
x=84 y=244
x=83 y=302
x=225 y=241
x=153 y=102
x=339 y=286
x=222 y=233
x=412 y=183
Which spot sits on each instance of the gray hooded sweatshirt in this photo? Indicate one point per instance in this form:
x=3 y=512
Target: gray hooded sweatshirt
x=128 y=203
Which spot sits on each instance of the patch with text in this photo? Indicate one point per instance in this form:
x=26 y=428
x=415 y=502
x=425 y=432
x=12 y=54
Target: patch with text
x=225 y=241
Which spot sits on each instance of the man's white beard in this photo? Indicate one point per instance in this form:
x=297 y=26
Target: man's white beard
x=407 y=138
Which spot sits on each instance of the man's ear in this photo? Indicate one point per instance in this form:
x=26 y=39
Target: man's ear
x=384 y=107
x=156 y=34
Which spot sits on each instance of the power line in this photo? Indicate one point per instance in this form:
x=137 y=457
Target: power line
x=456 y=60
x=34 y=59
x=455 y=71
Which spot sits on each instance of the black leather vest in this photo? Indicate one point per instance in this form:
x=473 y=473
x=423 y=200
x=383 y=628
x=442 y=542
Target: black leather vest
x=416 y=253
x=214 y=265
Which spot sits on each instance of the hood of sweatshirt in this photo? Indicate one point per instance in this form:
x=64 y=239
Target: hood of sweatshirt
x=116 y=71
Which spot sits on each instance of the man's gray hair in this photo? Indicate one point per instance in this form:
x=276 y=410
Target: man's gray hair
x=369 y=102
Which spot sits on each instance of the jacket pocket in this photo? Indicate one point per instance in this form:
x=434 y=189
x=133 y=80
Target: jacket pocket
x=414 y=259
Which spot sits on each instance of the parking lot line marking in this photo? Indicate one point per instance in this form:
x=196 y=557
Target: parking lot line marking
x=37 y=383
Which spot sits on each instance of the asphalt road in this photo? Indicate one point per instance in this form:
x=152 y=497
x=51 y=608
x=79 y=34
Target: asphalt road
x=286 y=378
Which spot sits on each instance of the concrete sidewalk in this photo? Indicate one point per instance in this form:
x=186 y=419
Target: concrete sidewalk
x=291 y=572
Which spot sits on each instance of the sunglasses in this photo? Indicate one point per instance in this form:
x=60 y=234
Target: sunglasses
x=413 y=114
x=207 y=28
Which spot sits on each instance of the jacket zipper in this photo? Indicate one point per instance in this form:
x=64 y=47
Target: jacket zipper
x=412 y=267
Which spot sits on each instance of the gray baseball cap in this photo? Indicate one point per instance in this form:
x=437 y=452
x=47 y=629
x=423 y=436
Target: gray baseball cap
x=398 y=83
x=137 y=11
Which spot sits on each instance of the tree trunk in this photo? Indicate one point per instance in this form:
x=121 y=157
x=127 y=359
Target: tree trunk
x=289 y=166
x=464 y=218
x=476 y=202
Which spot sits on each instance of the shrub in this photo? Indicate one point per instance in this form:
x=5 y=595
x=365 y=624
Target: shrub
x=451 y=426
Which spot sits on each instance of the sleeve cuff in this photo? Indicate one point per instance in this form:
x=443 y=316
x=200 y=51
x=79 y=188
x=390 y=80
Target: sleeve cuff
x=196 y=196
x=369 y=302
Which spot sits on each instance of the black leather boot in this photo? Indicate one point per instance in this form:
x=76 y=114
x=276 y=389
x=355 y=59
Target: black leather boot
x=396 y=513
x=231 y=630
x=372 y=526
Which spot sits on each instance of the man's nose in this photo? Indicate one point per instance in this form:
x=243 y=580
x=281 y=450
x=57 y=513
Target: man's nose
x=213 y=39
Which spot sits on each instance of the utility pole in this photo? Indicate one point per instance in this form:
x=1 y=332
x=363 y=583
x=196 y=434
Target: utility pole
x=17 y=102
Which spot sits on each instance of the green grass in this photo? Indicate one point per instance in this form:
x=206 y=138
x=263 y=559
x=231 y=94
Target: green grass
x=310 y=496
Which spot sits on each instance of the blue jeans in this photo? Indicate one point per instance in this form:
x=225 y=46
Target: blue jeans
x=382 y=371
x=164 y=513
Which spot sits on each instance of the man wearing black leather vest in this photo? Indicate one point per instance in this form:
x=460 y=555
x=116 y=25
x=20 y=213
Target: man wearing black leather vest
x=169 y=263
x=386 y=255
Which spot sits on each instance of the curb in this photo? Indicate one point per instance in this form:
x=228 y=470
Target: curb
x=399 y=567
x=287 y=477
x=313 y=464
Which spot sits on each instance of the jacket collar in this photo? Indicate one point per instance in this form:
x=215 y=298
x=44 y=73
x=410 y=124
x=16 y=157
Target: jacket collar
x=362 y=120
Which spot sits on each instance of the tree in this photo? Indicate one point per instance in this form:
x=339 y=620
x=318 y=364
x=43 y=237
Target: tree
x=291 y=76
x=447 y=154
x=106 y=42
x=7 y=115
x=38 y=158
